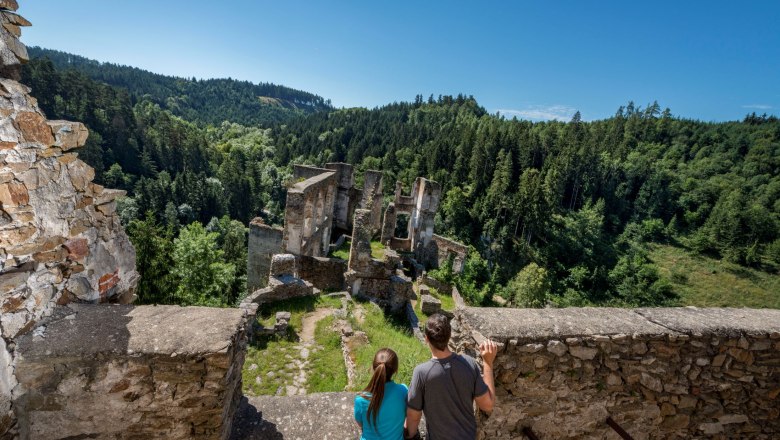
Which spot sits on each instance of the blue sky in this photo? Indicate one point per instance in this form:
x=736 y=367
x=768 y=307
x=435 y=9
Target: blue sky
x=709 y=60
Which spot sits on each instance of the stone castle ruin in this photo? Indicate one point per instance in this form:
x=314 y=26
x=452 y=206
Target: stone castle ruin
x=323 y=203
x=79 y=360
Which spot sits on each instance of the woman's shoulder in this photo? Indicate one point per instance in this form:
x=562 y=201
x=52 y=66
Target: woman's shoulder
x=362 y=399
x=400 y=387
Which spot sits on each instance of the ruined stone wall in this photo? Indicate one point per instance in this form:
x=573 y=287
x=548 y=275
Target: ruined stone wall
x=421 y=205
x=283 y=284
x=367 y=277
x=346 y=196
x=323 y=273
x=371 y=198
x=442 y=287
x=130 y=373
x=60 y=238
x=427 y=194
x=304 y=172
x=308 y=221
x=440 y=250
x=659 y=373
x=264 y=242
x=12 y=52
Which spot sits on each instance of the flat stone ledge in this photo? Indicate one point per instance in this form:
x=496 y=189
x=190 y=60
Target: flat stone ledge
x=536 y=324
x=87 y=330
x=719 y=321
x=316 y=416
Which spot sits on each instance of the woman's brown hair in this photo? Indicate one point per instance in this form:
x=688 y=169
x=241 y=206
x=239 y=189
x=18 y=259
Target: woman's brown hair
x=385 y=365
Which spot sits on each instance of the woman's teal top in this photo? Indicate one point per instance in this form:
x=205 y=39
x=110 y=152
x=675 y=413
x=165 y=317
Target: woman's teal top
x=391 y=416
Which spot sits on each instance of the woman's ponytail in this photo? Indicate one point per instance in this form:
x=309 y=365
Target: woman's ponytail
x=385 y=365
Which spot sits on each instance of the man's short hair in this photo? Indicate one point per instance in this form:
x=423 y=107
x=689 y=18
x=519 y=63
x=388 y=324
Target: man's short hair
x=438 y=331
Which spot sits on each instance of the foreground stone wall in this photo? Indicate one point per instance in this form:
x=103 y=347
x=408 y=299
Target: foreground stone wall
x=131 y=373
x=659 y=373
x=60 y=238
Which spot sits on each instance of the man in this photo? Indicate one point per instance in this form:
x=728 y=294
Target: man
x=445 y=387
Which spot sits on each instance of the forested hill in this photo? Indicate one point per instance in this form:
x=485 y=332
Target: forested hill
x=569 y=207
x=562 y=213
x=209 y=101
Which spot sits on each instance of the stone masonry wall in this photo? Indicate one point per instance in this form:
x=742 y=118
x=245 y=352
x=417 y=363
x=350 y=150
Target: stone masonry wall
x=125 y=372
x=440 y=249
x=323 y=273
x=346 y=196
x=264 y=242
x=308 y=220
x=658 y=373
x=372 y=195
x=60 y=238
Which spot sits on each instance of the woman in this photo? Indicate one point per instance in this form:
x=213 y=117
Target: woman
x=380 y=409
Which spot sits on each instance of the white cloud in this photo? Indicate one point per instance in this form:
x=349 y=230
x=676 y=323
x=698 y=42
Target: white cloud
x=758 y=106
x=541 y=112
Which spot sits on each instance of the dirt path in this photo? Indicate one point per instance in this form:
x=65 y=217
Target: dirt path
x=310 y=321
x=304 y=347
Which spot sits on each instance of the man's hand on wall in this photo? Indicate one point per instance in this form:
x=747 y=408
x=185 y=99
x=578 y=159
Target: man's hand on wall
x=488 y=349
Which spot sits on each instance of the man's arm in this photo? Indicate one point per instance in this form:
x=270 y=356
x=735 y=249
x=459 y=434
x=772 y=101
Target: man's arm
x=487 y=349
x=412 y=423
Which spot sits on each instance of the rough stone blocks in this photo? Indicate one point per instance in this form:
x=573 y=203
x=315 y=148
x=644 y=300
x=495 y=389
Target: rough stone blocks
x=283 y=264
x=429 y=305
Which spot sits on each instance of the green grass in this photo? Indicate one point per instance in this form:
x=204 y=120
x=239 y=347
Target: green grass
x=386 y=331
x=447 y=304
x=327 y=371
x=707 y=282
x=271 y=355
x=276 y=354
x=377 y=250
x=342 y=251
x=297 y=308
x=447 y=301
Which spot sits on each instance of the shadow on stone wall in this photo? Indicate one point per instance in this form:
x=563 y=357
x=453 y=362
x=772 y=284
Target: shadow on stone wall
x=249 y=424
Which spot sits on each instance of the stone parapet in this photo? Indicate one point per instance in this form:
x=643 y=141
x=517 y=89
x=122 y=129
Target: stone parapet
x=130 y=372
x=659 y=373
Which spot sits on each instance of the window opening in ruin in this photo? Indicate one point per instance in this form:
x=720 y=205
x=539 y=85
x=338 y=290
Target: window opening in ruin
x=402 y=225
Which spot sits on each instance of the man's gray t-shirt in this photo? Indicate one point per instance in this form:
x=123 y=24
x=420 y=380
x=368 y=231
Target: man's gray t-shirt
x=444 y=390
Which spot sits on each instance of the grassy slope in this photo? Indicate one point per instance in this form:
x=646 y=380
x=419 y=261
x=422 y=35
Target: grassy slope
x=275 y=355
x=327 y=372
x=706 y=282
x=383 y=331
